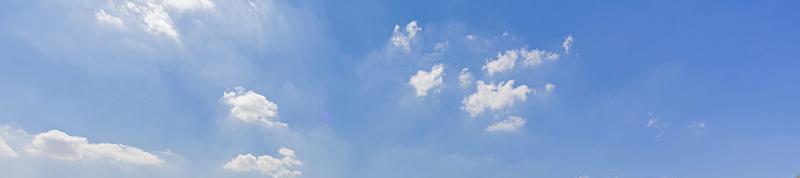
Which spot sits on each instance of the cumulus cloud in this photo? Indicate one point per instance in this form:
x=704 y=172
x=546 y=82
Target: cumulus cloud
x=401 y=38
x=59 y=145
x=285 y=167
x=424 y=81
x=251 y=107
x=567 y=44
x=512 y=123
x=465 y=77
x=494 y=97
x=504 y=62
x=5 y=150
x=536 y=56
x=549 y=88
x=104 y=18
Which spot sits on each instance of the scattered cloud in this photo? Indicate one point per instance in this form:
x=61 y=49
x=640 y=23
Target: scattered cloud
x=536 y=56
x=699 y=125
x=567 y=45
x=285 y=167
x=183 y=5
x=512 y=123
x=104 y=18
x=5 y=150
x=655 y=123
x=465 y=77
x=470 y=37
x=59 y=145
x=549 y=88
x=583 y=176
x=504 y=62
x=424 y=81
x=251 y=107
x=401 y=38
x=494 y=97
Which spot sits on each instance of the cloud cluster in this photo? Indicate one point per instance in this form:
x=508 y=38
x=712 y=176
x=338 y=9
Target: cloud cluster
x=509 y=124
x=251 y=107
x=150 y=16
x=401 y=38
x=285 y=167
x=58 y=145
x=494 y=97
x=506 y=61
x=424 y=81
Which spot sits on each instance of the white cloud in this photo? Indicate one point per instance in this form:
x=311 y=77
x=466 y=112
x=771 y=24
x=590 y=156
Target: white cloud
x=537 y=56
x=697 y=125
x=655 y=123
x=285 y=167
x=503 y=62
x=104 y=18
x=157 y=21
x=584 y=176
x=465 y=77
x=512 y=123
x=59 y=145
x=5 y=150
x=402 y=38
x=182 y=5
x=567 y=44
x=494 y=97
x=470 y=37
x=251 y=107
x=424 y=81
x=549 y=88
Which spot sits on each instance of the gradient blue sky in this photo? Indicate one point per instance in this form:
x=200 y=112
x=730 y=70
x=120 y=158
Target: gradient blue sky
x=343 y=87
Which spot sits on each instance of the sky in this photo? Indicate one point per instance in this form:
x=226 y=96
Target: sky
x=363 y=89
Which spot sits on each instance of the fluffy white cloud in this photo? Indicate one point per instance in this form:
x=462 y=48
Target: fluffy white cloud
x=251 y=107
x=104 y=18
x=465 y=77
x=549 y=88
x=424 y=81
x=59 y=145
x=5 y=150
x=285 y=167
x=512 y=123
x=182 y=5
x=503 y=62
x=537 y=56
x=401 y=38
x=567 y=44
x=494 y=97
x=157 y=21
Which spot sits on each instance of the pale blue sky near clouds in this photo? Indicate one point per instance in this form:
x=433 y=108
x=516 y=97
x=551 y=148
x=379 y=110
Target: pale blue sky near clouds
x=647 y=89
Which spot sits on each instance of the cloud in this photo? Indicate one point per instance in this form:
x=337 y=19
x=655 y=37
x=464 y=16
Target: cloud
x=504 y=62
x=567 y=44
x=251 y=107
x=402 y=38
x=536 y=56
x=494 y=97
x=424 y=81
x=285 y=167
x=104 y=18
x=697 y=125
x=549 y=88
x=183 y=5
x=512 y=123
x=59 y=145
x=465 y=77
x=655 y=123
x=5 y=150
x=584 y=176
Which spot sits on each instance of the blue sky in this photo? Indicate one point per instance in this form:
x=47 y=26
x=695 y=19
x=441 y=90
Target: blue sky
x=303 y=88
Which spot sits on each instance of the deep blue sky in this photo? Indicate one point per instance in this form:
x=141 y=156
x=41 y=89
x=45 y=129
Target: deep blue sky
x=343 y=87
